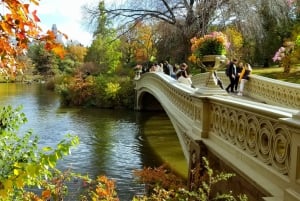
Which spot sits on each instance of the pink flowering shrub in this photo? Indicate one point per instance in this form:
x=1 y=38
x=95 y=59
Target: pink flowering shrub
x=284 y=55
x=279 y=54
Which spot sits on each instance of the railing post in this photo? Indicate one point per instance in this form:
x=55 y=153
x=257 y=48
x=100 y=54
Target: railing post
x=205 y=116
x=292 y=192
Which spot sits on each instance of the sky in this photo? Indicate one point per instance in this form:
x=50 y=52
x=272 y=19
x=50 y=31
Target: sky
x=67 y=15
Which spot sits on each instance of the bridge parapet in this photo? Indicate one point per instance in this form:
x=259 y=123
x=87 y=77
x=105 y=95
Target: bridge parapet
x=259 y=141
x=274 y=92
x=267 y=90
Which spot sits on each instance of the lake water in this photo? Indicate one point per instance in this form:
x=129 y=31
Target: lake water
x=112 y=142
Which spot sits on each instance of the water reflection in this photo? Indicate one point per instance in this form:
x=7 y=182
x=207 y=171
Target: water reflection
x=112 y=143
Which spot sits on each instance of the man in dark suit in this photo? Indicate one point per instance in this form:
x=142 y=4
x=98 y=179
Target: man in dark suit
x=232 y=74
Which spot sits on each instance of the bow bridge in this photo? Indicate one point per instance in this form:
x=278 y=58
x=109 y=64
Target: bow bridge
x=257 y=136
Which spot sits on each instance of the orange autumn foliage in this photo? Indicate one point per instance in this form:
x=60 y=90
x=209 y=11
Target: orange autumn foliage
x=18 y=28
x=46 y=194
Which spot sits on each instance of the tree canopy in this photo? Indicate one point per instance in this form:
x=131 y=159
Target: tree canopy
x=194 y=17
x=185 y=19
x=19 y=26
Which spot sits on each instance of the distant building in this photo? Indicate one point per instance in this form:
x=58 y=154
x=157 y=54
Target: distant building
x=59 y=36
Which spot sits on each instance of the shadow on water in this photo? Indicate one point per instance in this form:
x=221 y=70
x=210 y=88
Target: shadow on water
x=161 y=139
x=112 y=142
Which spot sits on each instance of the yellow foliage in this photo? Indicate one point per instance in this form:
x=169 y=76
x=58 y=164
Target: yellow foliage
x=77 y=52
x=193 y=58
x=112 y=89
x=235 y=38
x=20 y=182
x=143 y=47
x=4 y=193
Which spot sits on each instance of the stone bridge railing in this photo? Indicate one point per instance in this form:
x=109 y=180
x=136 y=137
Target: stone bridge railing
x=263 y=89
x=260 y=141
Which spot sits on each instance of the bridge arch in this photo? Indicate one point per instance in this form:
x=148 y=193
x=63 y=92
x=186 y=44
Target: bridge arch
x=220 y=124
x=148 y=102
x=151 y=89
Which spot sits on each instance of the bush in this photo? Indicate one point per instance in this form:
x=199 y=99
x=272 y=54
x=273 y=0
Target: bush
x=103 y=91
x=160 y=180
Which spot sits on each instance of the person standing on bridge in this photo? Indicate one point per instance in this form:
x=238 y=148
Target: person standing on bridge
x=239 y=69
x=169 y=69
x=232 y=74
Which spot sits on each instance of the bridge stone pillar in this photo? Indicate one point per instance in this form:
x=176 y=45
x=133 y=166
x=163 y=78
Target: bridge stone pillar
x=292 y=192
x=197 y=151
x=205 y=118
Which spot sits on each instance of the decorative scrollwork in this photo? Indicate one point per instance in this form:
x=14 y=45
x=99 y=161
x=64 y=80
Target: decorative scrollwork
x=256 y=134
x=251 y=135
x=281 y=148
x=241 y=131
x=264 y=140
x=223 y=122
x=216 y=119
x=232 y=125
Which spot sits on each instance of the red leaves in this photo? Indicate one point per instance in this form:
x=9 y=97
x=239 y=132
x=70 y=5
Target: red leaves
x=35 y=17
x=20 y=25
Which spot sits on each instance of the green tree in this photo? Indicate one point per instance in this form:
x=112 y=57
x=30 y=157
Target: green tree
x=104 y=50
x=73 y=58
x=45 y=62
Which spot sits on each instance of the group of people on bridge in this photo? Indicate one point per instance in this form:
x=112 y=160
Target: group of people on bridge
x=178 y=72
x=237 y=72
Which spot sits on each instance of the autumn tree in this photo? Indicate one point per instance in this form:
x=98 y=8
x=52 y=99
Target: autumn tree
x=18 y=28
x=236 y=42
x=195 y=17
x=76 y=52
x=138 y=44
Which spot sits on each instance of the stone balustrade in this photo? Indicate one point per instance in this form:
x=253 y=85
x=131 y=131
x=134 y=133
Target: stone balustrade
x=258 y=140
x=263 y=89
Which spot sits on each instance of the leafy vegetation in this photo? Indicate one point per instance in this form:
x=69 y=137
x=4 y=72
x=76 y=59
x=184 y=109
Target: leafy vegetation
x=101 y=75
x=176 y=22
x=26 y=168
x=22 y=163
x=164 y=185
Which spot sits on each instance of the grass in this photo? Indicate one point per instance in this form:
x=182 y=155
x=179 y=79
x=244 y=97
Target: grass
x=276 y=72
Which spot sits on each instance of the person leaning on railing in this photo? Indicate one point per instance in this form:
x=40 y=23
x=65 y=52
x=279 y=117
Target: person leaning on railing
x=183 y=76
x=244 y=77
